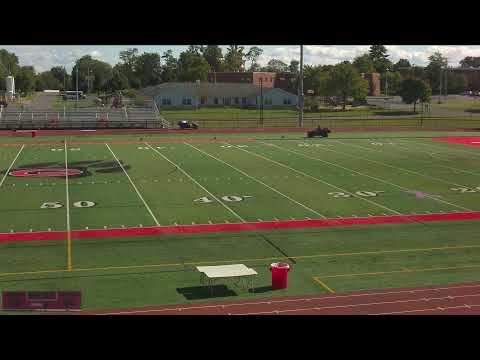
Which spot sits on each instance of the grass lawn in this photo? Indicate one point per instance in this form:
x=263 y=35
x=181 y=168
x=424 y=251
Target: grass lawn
x=276 y=177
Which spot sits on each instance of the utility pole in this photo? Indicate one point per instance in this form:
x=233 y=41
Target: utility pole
x=300 y=89
x=261 y=102
x=77 y=88
x=446 y=82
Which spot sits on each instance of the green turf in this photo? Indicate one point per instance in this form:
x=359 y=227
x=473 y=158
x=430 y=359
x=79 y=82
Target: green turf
x=131 y=185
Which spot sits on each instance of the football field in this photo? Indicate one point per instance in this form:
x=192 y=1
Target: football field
x=73 y=211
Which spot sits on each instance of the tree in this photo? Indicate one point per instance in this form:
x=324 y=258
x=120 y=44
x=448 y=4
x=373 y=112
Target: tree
x=234 y=58
x=414 y=90
x=169 y=67
x=393 y=79
x=345 y=81
x=60 y=73
x=252 y=55
x=25 y=80
x=379 y=56
x=314 y=78
x=119 y=81
x=128 y=59
x=8 y=66
x=192 y=67
x=196 y=49
x=100 y=74
x=293 y=67
x=364 y=64
x=213 y=55
x=470 y=61
x=401 y=64
x=147 y=69
x=275 y=65
x=47 y=81
x=433 y=70
x=457 y=83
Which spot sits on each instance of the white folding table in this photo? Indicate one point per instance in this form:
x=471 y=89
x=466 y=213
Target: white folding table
x=209 y=274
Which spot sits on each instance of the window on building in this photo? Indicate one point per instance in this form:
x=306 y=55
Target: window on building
x=237 y=101
x=244 y=101
x=166 y=101
x=215 y=101
x=287 y=101
x=187 y=101
x=226 y=101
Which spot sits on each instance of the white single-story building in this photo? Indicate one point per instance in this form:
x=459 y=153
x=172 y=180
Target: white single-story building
x=204 y=94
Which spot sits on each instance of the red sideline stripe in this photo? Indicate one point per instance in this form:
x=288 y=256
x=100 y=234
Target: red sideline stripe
x=253 y=226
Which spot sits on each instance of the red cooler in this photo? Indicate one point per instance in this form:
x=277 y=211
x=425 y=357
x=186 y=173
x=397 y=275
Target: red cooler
x=279 y=275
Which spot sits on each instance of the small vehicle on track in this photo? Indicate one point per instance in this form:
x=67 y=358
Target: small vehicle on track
x=319 y=131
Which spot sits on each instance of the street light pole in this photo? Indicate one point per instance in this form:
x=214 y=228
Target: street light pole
x=261 y=102
x=77 y=88
x=300 y=89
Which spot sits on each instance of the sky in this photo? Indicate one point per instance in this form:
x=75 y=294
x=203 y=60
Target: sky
x=44 y=57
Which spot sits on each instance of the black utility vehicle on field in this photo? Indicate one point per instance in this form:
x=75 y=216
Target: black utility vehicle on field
x=323 y=132
x=183 y=124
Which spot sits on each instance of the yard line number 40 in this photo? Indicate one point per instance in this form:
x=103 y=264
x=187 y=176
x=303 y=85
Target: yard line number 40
x=228 y=198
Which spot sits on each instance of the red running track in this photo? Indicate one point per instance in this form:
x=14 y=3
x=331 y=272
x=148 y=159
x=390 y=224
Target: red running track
x=457 y=299
x=235 y=227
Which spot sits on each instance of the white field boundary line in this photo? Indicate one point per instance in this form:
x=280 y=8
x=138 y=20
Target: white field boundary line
x=319 y=308
x=136 y=190
x=372 y=177
x=302 y=300
x=197 y=183
x=11 y=165
x=441 y=308
x=395 y=167
x=259 y=181
x=317 y=179
x=388 y=182
x=344 y=168
x=67 y=199
x=441 y=148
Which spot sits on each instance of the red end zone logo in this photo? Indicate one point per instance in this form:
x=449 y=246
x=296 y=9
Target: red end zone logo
x=46 y=172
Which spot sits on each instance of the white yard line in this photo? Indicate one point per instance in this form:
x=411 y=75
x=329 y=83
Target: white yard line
x=378 y=179
x=259 y=181
x=196 y=182
x=10 y=167
x=395 y=167
x=67 y=205
x=136 y=190
x=319 y=180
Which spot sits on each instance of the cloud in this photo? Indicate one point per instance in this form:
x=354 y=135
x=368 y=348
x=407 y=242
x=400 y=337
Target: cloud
x=45 y=57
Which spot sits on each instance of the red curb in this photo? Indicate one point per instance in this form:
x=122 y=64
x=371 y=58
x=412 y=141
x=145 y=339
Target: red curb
x=236 y=227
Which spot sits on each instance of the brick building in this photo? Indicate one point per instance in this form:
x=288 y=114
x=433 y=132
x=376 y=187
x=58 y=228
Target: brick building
x=284 y=81
x=373 y=83
x=266 y=79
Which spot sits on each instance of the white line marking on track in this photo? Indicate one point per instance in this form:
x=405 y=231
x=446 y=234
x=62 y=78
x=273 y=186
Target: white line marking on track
x=255 y=179
x=131 y=182
x=269 y=302
x=10 y=167
x=196 y=182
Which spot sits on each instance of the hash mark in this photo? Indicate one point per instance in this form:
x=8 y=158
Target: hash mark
x=141 y=225
x=104 y=226
x=210 y=222
x=49 y=229
x=86 y=227
x=259 y=219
